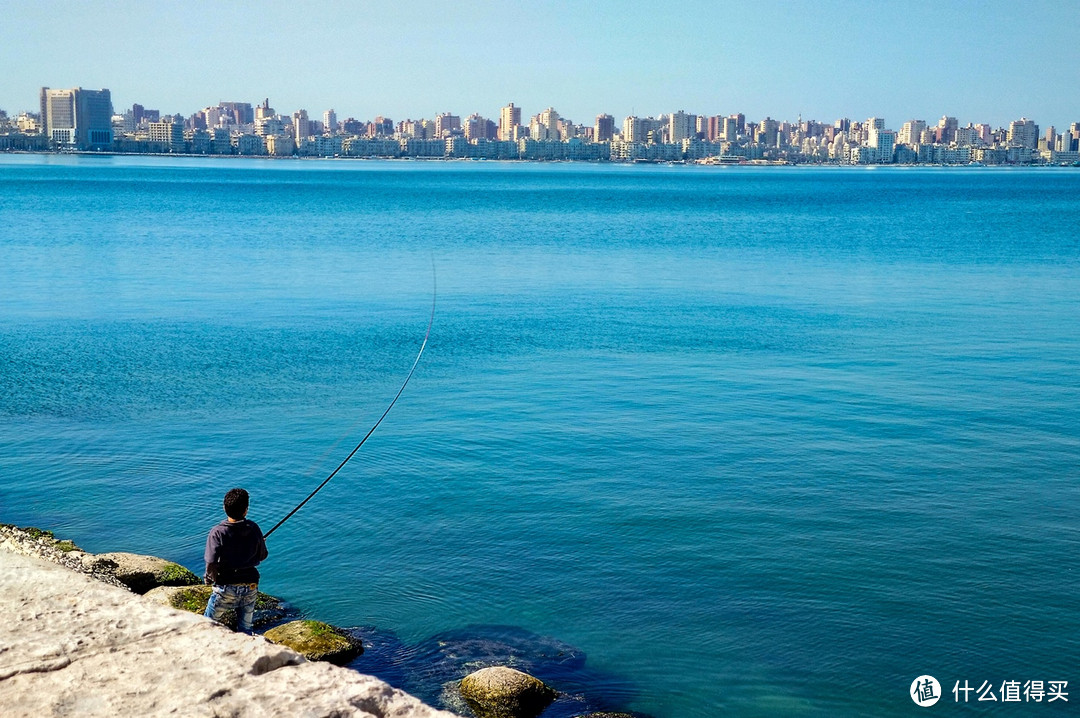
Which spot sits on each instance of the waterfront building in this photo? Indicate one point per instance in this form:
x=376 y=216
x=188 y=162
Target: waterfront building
x=77 y=118
x=198 y=142
x=456 y=146
x=416 y=147
x=324 y=145
x=246 y=144
x=221 y=141
x=280 y=145
x=370 y=147
x=694 y=148
x=882 y=142
x=509 y=121
x=493 y=149
x=167 y=136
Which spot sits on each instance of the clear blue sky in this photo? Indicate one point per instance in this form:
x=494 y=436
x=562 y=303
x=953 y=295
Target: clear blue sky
x=980 y=61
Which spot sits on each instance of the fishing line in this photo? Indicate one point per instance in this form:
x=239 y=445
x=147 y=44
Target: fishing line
x=431 y=320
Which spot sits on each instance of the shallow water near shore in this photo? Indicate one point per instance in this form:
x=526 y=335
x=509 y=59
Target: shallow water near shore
x=752 y=441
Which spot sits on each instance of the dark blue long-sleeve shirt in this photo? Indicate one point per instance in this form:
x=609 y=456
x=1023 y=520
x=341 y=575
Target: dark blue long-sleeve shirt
x=233 y=550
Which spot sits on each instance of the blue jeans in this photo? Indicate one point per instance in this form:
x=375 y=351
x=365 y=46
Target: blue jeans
x=237 y=596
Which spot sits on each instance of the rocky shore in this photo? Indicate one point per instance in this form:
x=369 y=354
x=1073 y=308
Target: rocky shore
x=121 y=634
x=76 y=642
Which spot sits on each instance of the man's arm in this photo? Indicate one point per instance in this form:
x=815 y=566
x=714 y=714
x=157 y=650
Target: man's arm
x=211 y=556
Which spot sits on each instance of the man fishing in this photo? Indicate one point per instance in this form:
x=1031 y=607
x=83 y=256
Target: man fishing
x=233 y=549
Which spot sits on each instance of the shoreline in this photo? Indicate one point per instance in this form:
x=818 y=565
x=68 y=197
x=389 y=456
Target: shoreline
x=598 y=162
x=110 y=600
x=80 y=645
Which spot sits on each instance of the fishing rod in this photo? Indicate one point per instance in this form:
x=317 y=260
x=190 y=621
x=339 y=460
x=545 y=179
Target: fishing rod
x=431 y=320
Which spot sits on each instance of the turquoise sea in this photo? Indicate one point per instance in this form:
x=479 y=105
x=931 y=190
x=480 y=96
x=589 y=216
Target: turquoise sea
x=685 y=441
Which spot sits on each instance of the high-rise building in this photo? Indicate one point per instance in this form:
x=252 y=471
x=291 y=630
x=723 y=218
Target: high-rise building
x=911 y=132
x=77 y=118
x=447 y=124
x=729 y=129
x=768 y=132
x=946 y=130
x=329 y=119
x=383 y=126
x=1023 y=133
x=713 y=127
x=241 y=112
x=301 y=126
x=509 y=120
x=479 y=128
x=967 y=136
x=882 y=141
x=545 y=126
x=681 y=126
x=604 y=129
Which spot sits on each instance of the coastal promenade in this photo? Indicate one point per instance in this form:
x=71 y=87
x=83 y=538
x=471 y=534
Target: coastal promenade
x=71 y=645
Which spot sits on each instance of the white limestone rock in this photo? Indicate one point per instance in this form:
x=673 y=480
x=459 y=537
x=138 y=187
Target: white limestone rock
x=72 y=646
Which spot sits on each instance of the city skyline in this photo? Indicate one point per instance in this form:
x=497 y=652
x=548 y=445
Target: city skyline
x=83 y=119
x=519 y=116
x=822 y=61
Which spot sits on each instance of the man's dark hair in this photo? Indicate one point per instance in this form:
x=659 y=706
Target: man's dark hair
x=236 y=503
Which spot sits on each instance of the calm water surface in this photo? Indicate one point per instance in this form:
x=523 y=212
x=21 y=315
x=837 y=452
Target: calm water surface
x=684 y=441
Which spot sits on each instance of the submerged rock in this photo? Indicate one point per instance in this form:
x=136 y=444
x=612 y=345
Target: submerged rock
x=141 y=573
x=501 y=692
x=317 y=641
x=433 y=668
x=268 y=609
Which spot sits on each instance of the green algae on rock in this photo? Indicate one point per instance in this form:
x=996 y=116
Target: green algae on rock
x=317 y=641
x=502 y=692
x=142 y=573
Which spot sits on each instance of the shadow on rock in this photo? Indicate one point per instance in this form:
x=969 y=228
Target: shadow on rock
x=432 y=668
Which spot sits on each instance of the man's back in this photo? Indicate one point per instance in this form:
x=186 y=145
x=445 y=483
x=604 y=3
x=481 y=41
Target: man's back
x=233 y=550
